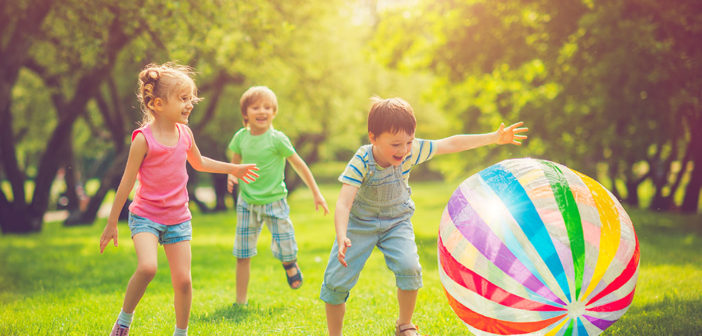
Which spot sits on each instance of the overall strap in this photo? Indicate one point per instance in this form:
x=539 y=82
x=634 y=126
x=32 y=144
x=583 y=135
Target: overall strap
x=372 y=169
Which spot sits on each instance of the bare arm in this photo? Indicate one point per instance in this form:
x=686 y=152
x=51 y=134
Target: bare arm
x=137 y=151
x=304 y=172
x=246 y=172
x=231 y=179
x=462 y=142
x=341 y=219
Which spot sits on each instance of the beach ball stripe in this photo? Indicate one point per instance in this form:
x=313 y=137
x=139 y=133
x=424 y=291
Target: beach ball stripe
x=530 y=246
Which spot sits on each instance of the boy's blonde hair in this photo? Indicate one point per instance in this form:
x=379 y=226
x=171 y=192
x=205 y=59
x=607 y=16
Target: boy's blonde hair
x=391 y=115
x=253 y=95
x=160 y=81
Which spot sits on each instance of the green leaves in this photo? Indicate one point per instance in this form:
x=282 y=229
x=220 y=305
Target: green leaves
x=587 y=77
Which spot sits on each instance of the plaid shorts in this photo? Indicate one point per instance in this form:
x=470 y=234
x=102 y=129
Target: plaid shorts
x=250 y=219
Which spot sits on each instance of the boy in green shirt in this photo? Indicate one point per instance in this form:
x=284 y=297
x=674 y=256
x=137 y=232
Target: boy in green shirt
x=263 y=201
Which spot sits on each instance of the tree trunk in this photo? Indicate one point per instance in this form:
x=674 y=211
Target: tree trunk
x=109 y=181
x=86 y=88
x=613 y=172
x=18 y=218
x=660 y=202
x=219 y=183
x=692 y=191
x=192 y=184
x=670 y=199
x=16 y=36
x=8 y=158
x=292 y=180
x=72 y=181
x=632 y=193
x=691 y=200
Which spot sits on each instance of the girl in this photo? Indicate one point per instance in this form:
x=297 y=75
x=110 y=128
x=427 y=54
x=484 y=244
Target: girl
x=159 y=212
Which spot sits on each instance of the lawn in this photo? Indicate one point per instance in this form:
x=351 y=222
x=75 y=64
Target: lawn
x=56 y=282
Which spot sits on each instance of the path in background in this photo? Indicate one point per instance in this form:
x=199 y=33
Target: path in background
x=205 y=194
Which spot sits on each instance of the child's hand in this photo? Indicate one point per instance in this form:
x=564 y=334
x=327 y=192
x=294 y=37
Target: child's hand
x=319 y=201
x=231 y=181
x=110 y=233
x=508 y=135
x=346 y=243
x=245 y=172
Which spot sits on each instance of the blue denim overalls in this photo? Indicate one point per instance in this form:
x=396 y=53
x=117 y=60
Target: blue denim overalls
x=380 y=216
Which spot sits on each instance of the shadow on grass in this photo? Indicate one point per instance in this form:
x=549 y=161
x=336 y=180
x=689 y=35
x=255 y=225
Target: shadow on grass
x=238 y=313
x=670 y=316
x=63 y=267
x=426 y=248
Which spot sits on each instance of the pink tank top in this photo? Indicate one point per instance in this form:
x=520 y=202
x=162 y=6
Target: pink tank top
x=161 y=195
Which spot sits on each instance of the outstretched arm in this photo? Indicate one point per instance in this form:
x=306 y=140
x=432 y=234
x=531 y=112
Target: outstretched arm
x=245 y=172
x=231 y=179
x=137 y=151
x=341 y=219
x=304 y=172
x=503 y=135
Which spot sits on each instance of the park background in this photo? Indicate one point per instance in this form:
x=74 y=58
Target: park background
x=609 y=88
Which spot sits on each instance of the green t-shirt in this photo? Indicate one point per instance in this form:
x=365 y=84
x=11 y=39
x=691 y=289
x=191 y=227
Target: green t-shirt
x=268 y=151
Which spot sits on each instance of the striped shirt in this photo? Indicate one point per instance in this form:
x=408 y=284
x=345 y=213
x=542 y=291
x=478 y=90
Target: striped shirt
x=356 y=169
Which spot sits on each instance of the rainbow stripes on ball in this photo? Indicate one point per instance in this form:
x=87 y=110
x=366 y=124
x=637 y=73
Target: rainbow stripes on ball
x=530 y=246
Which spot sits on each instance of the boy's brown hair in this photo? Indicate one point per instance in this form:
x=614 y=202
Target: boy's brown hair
x=253 y=95
x=391 y=115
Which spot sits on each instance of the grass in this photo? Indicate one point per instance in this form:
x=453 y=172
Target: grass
x=57 y=282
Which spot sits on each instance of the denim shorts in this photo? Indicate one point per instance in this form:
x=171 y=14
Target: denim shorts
x=167 y=234
x=398 y=247
x=380 y=216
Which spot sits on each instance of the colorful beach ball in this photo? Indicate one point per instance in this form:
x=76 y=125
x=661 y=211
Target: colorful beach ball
x=530 y=246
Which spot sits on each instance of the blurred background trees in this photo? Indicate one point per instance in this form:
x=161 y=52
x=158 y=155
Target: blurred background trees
x=610 y=88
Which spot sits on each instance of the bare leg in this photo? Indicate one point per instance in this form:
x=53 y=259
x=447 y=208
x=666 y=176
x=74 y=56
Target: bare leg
x=243 y=273
x=407 y=299
x=179 y=259
x=335 y=318
x=146 y=246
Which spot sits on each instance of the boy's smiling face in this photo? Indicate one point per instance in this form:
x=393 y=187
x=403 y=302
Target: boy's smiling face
x=389 y=149
x=260 y=116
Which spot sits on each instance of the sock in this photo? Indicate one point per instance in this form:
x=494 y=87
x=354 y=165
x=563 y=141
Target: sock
x=180 y=332
x=124 y=319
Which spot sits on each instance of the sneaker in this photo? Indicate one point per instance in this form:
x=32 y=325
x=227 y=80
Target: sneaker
x=119 y=330
x=236 y=305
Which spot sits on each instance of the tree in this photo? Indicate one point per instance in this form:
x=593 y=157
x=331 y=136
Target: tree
x=489 y=58
x=72 y=55
x=602 y=83
x=83 y=62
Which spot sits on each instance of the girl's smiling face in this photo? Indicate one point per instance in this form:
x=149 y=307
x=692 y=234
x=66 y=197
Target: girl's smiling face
x=178 y=106
x=260 y=116
x=389 y=149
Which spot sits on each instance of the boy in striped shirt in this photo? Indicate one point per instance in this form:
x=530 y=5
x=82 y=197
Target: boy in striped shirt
x=374 y=207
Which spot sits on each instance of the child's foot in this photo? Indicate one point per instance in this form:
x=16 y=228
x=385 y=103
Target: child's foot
x=293 y=273
x=408 y=329
x=118 y=330
x=237 y=305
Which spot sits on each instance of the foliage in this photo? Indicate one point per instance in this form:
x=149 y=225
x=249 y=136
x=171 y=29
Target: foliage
x=609 y=88
x=597 y=82
x=232 y=45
